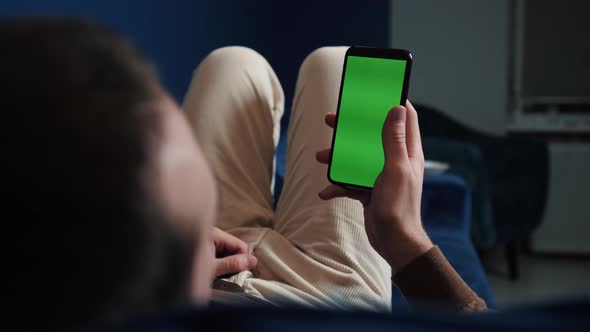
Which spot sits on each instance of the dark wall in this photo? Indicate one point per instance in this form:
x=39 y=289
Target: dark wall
x=177 y=34
x=174 y=34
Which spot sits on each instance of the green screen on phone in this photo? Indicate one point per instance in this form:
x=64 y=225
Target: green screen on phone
x=371 y=87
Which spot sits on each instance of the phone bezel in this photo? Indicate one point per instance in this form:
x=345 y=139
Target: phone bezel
x=369 y=52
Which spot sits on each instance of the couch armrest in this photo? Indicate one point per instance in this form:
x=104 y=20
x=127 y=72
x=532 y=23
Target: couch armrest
x=466 y=161
x=446 y=202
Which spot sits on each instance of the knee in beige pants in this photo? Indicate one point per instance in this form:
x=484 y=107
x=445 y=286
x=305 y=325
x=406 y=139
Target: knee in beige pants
x=310 y=252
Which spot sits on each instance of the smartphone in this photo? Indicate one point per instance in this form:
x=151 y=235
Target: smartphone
x=374 y=80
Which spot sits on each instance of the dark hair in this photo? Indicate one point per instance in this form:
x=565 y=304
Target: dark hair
x=91 y=242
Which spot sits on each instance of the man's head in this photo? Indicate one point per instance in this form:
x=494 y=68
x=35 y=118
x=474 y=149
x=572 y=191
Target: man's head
x=108 y=196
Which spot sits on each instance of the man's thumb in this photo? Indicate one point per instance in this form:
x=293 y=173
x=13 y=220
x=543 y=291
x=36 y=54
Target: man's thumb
x=234 y=264
x=394 y=135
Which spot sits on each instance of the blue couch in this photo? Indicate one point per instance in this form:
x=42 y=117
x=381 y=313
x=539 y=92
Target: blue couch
x=566 y=316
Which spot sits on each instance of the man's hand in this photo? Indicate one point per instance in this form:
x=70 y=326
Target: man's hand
x=392 y=209
x=231 y=254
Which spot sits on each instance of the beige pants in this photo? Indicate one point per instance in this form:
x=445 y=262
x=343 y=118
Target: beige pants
x=309 y=251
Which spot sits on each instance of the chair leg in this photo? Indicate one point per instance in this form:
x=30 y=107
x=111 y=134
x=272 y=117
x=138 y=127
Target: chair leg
x=512 y=260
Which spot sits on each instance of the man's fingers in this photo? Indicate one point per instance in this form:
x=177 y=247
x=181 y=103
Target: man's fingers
x=226 y=243
x=234 y=264
x=323 y=156
x=331 y=119
x=414 y=142
x=334 y=191
x=394 y=135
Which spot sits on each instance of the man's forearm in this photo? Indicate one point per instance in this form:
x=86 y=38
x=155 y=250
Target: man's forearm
x=430 y=279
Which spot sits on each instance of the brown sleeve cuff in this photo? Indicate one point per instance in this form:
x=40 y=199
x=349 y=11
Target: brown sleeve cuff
x=430 y=279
